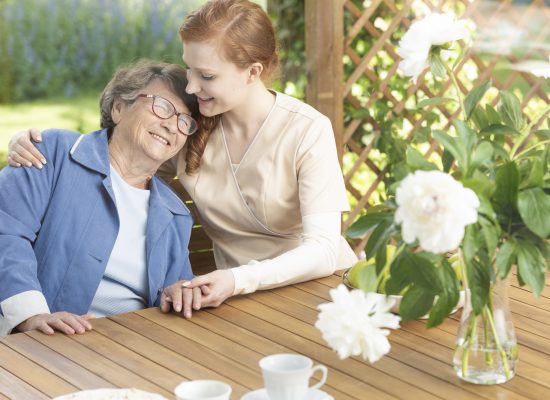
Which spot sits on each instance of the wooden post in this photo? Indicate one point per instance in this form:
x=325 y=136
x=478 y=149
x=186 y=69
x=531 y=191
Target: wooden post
x=324 y=51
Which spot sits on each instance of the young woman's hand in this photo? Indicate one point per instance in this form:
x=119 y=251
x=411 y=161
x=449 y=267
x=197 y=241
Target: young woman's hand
x=181 y=299
x=220 y=284
x=22 y=151
x=62 y=321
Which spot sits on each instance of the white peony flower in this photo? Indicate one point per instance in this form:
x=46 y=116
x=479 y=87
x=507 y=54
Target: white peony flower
x=432 y=30
x=353 y=323
x=537 y=68
x=434 y=208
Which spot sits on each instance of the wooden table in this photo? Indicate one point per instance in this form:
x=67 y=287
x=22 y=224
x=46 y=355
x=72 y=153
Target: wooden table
x=154 y=351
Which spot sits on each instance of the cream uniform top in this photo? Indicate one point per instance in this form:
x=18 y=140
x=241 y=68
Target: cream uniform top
x=253 y=211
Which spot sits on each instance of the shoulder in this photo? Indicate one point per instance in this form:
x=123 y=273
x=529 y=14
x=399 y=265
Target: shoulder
x=300 y=110
x=59 y=137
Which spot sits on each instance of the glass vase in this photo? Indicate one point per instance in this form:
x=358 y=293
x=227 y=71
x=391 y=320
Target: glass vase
x=486 y=349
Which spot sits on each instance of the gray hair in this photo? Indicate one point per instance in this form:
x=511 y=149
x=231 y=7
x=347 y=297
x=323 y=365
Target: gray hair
x=128 y=82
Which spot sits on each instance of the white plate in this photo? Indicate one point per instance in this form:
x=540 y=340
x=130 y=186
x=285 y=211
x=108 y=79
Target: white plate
x=111 y=394
x=312 y=394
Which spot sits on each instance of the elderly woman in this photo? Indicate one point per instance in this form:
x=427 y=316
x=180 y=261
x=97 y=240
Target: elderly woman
x=95 y=232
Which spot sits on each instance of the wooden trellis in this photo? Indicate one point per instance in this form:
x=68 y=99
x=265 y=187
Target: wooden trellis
x=346 y=39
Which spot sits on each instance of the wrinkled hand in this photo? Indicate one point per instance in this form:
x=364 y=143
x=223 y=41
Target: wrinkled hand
x=220 y=284
x=62 y=321
x=22 y=150
x=182 y=299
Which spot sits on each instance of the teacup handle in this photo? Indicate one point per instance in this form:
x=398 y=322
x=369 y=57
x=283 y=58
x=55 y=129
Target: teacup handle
x=319 y=367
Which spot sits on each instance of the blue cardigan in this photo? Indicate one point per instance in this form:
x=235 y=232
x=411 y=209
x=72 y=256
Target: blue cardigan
x=58 y=225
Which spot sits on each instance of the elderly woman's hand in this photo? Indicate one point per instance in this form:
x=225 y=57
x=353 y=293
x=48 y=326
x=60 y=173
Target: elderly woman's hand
x=60 y=321
x=220 y=284
x=182 y=299
x=22 y=151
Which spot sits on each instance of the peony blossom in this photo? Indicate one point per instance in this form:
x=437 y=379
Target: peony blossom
x=433 y=30
x=434 y=208
x=537 y=68
x=353 y=323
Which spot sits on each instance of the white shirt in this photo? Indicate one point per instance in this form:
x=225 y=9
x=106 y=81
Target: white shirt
x=124 y=286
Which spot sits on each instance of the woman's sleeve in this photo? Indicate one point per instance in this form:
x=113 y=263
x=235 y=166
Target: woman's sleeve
x=315 y=257
x=24 y=196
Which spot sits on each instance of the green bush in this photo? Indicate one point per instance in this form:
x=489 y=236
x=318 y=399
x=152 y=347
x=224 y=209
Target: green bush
x=62 y=47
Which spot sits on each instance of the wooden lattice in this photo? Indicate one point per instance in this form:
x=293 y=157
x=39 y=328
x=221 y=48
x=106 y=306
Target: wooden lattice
x=372 y=30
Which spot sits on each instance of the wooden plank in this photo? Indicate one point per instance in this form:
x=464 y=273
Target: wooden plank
x=129 y=359
x=54 y=362
x=11 y=387
x=97 y=364
x=191 y=350
x=288 y=337
x=218 y=342
x=34 y=375
x=158 y=353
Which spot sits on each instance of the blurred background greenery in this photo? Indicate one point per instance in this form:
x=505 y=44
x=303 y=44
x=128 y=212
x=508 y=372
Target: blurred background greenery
x=57 y=55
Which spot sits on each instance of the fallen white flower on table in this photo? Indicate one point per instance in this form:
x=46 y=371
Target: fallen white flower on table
x=434 y=208
x=353 y=323
x=433 y=30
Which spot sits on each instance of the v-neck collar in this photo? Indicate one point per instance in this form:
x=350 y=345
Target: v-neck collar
x=254 y=139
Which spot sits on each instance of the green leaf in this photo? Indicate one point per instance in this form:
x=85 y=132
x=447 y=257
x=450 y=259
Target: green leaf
x=440 y=310
x=434 y=101
x=416 y=302
x=490 y=234
x=367 y=223
x=536 y=174
x=479 y=118
x=482 y=154
x=499 y=129
x=506 y=257
x=401 y=274
x=510 y=110
x=447 y=160
x=531 y=266
x=379 y=237
x=451 y=145
x=534 y=208
x=426 y=273
x=507 y=184
x=436 y=65
x=479 y=280
x=492 y=115
x=416 y=161
x=467 y=139
x=543 y=134
x=474 y=97
x=380 y=259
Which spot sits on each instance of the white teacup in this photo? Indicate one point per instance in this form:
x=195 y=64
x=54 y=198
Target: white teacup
x=286 y=376
x=203 y=390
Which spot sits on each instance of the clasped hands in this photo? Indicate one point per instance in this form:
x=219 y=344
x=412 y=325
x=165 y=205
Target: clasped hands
x=208 y=290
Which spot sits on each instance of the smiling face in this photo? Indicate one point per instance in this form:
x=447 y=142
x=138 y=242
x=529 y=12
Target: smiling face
x=139 y=132
x=219 y=84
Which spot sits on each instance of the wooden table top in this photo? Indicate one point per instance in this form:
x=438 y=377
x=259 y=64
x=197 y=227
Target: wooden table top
x=152 y=351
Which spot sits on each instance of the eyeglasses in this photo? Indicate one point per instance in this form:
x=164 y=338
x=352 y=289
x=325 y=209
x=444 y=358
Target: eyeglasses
x=164 y=109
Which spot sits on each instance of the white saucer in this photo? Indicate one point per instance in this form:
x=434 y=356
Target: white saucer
x=312 y=394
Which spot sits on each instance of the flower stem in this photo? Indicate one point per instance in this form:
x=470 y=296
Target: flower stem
x=489 y=315
x=457 y=88
x=385 y=271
